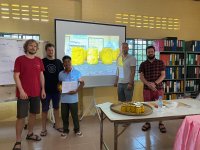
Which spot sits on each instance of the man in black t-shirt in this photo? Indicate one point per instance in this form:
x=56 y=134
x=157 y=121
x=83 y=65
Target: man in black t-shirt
x=52 y=68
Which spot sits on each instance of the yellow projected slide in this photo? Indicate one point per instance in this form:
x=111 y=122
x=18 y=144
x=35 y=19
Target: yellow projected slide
x=92 y=56
x=77 y=55
x=115 y=54
x=106 y=56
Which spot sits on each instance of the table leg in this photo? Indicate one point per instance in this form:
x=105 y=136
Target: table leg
x=115 y=135
x=101 y=130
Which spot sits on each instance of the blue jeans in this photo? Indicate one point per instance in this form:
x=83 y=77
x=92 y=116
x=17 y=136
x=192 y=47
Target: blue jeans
x=124 y=94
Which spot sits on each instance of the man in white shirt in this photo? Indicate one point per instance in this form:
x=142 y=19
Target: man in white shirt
x=125 y=74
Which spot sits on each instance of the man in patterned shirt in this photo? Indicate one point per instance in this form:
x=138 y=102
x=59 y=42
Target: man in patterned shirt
x=152 y=73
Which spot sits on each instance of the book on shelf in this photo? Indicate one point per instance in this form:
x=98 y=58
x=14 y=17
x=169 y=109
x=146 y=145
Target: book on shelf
x=193 y=72
x=159 y=45
x=182 y=86
x=172 y=96
x=193 y=46
x=180 y=45
x=172 y=59
x=172 y=44
x=192 y=85
x=165 y=58
x=173 y=86
x=192 y=59
x=174 y=73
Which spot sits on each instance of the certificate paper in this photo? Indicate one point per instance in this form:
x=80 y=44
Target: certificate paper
x=68 y=86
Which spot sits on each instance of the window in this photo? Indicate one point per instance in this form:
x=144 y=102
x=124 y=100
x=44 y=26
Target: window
x=137 y=48
x=20 y=36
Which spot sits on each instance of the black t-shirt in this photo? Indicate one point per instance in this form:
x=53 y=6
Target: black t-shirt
x=52 y=70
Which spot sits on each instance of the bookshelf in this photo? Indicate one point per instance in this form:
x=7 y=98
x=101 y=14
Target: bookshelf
x=182 y=61
x=192 y=80
x=173 y=55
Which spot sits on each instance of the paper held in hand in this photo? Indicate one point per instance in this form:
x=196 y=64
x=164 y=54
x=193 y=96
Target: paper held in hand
x=68 y=86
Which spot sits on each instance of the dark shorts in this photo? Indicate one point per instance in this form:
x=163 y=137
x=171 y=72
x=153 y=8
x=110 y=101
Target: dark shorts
x=150 y=95
x=124 y=94
x=55 y=97
x=32 y=104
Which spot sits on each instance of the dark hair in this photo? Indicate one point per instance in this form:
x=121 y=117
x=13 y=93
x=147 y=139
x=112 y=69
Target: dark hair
x=49 y=45
x=124 y=43
x=29 y=42
x=66 y=57
x=150 y=47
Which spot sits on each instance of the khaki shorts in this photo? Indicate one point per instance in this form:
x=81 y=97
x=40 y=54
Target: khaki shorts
x=32 y=104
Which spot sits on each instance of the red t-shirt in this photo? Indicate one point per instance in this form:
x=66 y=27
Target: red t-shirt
x=29 y=70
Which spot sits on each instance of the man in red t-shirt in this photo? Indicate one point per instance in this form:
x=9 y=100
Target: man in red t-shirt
x=29 y=79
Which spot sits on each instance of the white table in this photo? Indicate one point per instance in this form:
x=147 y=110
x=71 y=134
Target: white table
x=165 y=114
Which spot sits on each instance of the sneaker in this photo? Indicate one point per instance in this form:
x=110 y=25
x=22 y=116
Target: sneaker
x=63 y=135
x=79 y=134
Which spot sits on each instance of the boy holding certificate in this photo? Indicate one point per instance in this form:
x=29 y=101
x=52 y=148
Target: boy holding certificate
x=71 y=84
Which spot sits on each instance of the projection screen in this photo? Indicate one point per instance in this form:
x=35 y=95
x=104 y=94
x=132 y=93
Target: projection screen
x=93 y=47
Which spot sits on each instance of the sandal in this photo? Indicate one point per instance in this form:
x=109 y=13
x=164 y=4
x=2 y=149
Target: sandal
x=17 y=143
x=146 y=126
x=58 y=129
x=162 y=128
x=33 y=137
x=43 y=133
x=25 y=126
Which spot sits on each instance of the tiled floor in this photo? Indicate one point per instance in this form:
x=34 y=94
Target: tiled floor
x=133 y=138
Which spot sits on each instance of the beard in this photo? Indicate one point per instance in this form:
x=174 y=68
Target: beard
x=32 y=52
x=125 y=52
x=151 y=57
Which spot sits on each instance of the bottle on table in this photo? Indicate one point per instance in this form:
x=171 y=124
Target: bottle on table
x=160 y=103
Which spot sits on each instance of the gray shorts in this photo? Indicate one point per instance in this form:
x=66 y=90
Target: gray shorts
x=32 y=104
x=123 y=93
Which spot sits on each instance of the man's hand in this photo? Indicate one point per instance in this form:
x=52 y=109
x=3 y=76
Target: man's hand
x=115 y=84
x=129 y=86
x=59 y=86
x=23 y=95
x=43 y=94
x=72 y=92
x=152 y=86
x=82 y=83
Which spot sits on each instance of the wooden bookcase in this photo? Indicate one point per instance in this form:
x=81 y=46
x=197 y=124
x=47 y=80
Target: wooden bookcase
x=192 y=81
x=172 y=53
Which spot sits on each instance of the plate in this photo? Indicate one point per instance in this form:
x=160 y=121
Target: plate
x=172 y=104
x=117 y=109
